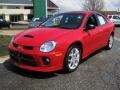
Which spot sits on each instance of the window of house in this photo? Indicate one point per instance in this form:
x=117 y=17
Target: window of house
x=28 y=7
x=30 y=16
x=15 y=18
x=13 y=7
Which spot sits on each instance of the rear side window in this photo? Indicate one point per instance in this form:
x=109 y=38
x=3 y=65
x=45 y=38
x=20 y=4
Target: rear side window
x=101 y=20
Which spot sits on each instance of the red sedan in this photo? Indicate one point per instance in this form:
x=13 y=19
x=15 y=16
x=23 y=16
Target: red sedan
x=62 y=42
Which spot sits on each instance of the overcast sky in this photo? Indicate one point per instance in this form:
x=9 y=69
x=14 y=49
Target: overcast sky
x=71 y=5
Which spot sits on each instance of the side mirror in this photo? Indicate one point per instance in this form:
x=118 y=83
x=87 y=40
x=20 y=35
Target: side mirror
x=88 y=27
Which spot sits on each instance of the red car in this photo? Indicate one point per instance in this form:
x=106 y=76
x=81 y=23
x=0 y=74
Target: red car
x=62 y=42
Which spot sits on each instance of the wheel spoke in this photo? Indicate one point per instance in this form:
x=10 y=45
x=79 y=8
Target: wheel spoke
x=73 y=59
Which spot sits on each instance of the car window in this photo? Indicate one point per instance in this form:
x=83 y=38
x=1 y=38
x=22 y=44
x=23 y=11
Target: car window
x=101 y=20
x=92 y=21
x=109 y=17
x=116 y=17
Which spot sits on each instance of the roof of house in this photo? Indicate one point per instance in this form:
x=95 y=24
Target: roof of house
x=16 y=1
x=50 y=3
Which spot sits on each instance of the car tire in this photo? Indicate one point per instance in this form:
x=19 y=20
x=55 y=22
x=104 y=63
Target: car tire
x=110 y=42
x=72 y=59
x=10 y=26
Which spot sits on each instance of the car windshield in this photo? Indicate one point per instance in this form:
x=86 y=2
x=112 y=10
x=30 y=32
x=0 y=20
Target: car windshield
x=35 y=19
x=41 y=19
x=67 y=21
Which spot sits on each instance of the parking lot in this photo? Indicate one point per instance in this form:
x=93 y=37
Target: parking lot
x=100 y=71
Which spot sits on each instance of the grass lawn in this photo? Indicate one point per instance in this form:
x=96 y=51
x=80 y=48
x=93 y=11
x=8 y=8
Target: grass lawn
x=4 y=42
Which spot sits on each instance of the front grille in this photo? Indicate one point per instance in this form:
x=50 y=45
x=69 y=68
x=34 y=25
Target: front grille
x=22 y=59
x=28 y=47
x=24 y=47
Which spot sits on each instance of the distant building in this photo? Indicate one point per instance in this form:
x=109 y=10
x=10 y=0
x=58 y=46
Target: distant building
x=19 y=10
x=110 y=13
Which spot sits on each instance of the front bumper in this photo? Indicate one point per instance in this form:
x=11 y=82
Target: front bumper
x=33 y=59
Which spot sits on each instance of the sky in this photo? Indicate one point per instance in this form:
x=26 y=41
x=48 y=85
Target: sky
x=71 y=5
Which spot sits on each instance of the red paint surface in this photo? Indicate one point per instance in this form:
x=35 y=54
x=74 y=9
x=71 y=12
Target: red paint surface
x=91 y=41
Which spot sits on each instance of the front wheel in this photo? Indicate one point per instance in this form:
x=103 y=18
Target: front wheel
x=110 y=42
x=10 y=26
x=72 y=59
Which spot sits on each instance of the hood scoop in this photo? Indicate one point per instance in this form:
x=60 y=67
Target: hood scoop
x=28 y=36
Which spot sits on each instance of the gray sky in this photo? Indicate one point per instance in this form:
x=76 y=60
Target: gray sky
x=71 y=5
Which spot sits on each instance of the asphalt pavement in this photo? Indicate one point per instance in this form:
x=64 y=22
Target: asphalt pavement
x=100 y=71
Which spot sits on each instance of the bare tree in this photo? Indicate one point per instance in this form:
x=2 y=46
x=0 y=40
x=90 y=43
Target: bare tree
x=94 y=5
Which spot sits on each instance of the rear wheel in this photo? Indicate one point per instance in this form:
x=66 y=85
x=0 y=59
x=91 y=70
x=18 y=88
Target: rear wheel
x=72 y=59
x=110 y=42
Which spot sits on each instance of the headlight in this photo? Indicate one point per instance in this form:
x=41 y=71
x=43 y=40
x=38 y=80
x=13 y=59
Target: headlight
x=48 y=46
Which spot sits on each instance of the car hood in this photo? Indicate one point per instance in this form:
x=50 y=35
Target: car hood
x=37 y=36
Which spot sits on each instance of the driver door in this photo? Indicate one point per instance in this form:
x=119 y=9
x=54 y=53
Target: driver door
x=91 y=35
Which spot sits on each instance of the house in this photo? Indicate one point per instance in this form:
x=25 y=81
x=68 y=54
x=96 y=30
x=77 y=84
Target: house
x=19 y=10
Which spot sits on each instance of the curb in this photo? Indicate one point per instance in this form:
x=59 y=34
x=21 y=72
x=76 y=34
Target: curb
x=3 y=59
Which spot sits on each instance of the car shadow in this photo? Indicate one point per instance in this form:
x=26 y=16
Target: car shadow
x=86 y=59
x=93 y=54
x=27 y=73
